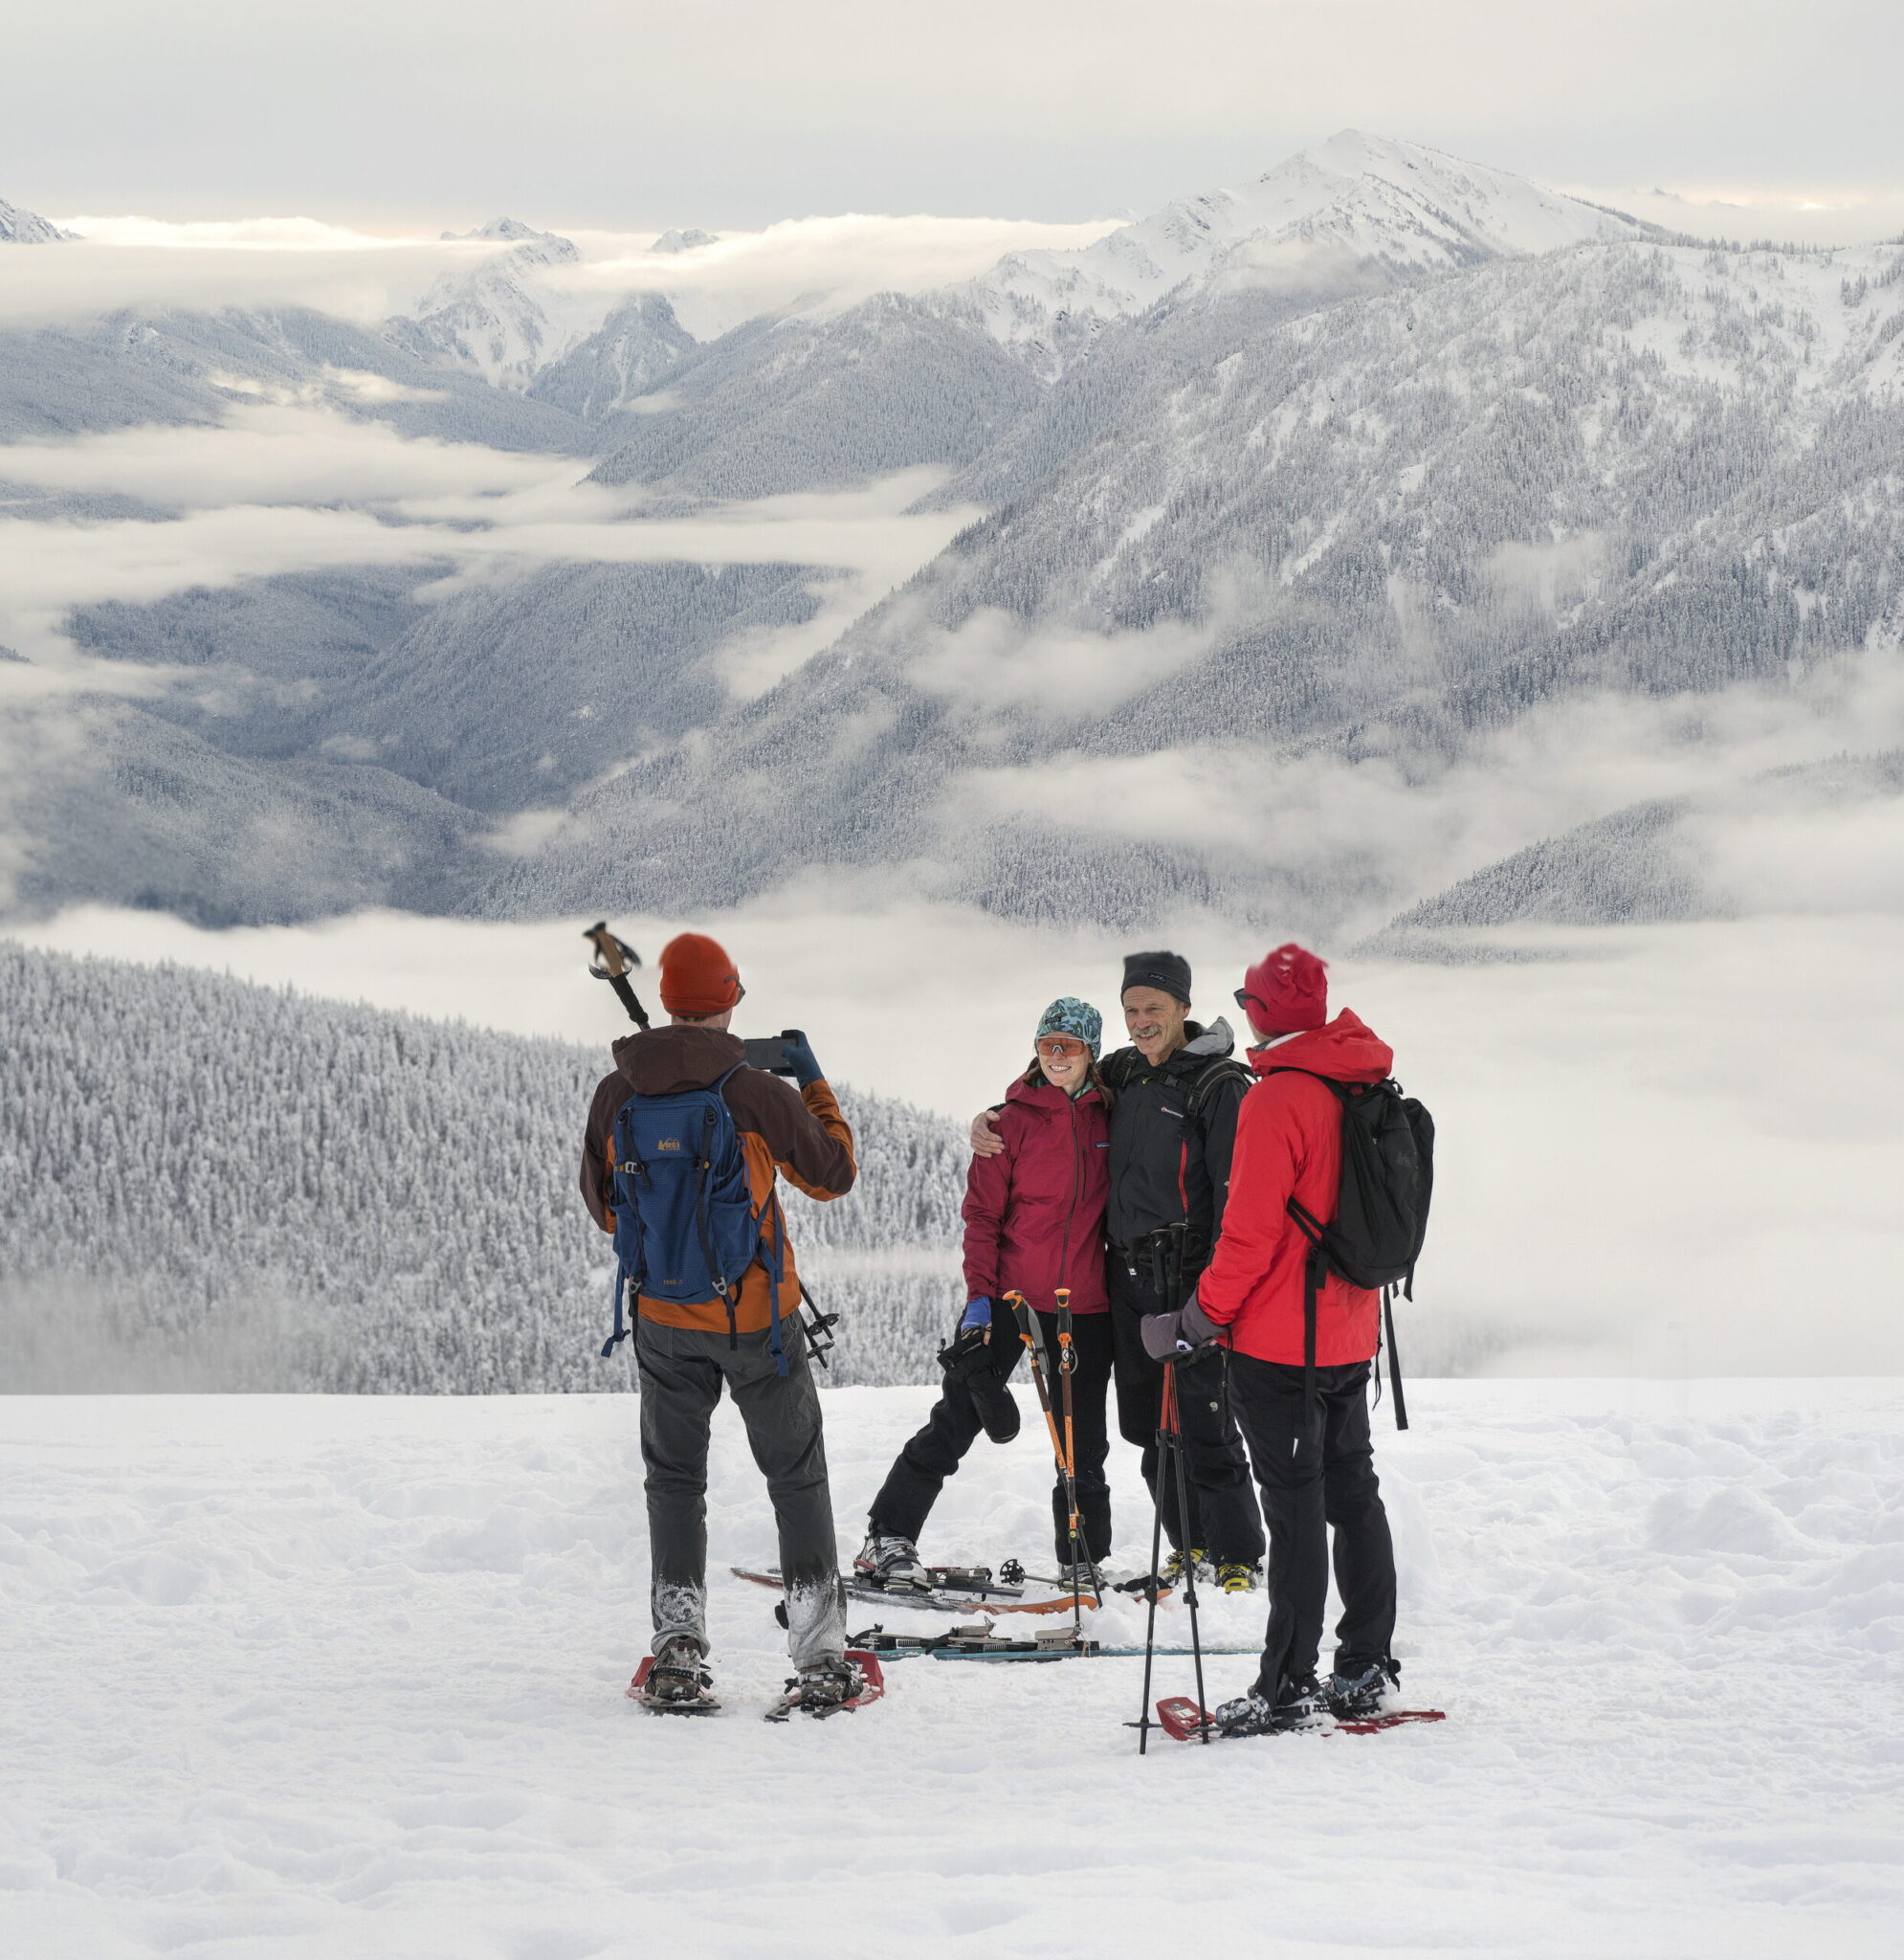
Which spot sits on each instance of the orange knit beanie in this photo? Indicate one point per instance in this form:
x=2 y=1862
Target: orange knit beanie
x=697 y=975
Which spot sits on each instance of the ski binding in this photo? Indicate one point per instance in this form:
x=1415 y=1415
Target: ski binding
x=952 y=1588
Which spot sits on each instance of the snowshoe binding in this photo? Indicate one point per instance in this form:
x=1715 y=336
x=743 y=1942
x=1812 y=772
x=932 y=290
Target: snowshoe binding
x=672 y=1681
x=1237 y=1578
x=827 y=1686
x=1299 y=1706
x=1357 y=1696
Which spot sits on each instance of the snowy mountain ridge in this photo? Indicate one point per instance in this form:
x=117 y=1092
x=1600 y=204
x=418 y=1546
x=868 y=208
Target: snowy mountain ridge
x=1356 y=201
x=20 y=226
x=1355 y=198
x=505 y=319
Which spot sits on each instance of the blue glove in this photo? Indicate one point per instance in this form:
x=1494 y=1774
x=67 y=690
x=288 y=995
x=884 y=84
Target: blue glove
x=977 y=1312
x=799 y=1053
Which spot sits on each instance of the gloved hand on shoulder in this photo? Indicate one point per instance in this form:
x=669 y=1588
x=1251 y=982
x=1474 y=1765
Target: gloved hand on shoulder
x=1174 y=1336
x=799 y=1053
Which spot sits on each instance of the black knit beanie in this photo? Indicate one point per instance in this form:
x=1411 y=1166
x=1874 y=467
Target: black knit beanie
x=1167 y=972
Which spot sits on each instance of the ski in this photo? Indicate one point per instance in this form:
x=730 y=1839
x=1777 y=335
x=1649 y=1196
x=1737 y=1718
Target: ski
x=981 y=1643
x=1180 y=1718
x=703 y=1703
x=982 y=1592
x=872 y=1686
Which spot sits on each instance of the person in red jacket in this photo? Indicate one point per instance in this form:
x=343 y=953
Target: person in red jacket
x=1034 y=1221
x=1315 y=1466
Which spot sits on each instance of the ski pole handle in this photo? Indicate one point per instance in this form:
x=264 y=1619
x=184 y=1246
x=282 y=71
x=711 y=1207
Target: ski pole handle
x=1067 y=1354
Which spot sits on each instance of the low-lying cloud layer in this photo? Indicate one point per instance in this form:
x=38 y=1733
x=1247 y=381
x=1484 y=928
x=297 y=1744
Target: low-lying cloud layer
x=145 y=262
x=284 y=487
x=1407 y=826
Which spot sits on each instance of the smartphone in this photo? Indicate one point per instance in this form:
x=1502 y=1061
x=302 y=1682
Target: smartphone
x=769 y=1051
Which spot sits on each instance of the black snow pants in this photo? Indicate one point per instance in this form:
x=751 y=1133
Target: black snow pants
x=682 y=1369
x=1225 y=1521
x=935 y=1452
x=1316 y=1473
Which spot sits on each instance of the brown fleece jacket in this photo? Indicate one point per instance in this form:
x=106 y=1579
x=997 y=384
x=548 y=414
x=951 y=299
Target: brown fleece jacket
x=799 y=1133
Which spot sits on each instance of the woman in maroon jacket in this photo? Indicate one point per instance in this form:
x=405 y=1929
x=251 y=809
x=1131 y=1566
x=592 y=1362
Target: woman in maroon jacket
x=1034 y=1221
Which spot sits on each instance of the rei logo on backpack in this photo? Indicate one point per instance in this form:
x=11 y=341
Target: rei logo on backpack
x=686 y=1230
x=1381 y=1209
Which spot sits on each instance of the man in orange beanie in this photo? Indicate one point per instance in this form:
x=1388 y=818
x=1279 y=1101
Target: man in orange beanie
x=684 y=1146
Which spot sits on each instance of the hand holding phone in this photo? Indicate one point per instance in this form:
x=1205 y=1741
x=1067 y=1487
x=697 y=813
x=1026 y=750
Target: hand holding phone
x=769 y=1052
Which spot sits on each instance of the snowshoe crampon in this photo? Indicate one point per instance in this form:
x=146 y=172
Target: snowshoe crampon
x=1393 y=1718
x=671 y=1688
x=1180 y=1718
x=820 y=1692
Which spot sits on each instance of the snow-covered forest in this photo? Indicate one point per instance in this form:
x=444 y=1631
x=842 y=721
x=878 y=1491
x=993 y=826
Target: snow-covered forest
x=205 y=1183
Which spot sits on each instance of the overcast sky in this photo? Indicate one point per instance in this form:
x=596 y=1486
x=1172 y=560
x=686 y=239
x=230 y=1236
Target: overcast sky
x=732 y=113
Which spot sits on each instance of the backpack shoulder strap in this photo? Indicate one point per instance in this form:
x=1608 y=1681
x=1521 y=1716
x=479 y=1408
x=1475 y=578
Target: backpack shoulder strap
x=1226 y=1069
x=770 y=1243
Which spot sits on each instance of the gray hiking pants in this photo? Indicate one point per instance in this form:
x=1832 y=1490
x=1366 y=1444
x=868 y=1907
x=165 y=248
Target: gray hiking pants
x=682 y=1369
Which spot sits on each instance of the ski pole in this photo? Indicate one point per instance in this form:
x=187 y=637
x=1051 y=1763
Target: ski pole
x=1174 y=1428
x=1034 y=1346
x=1067 y=1463
x=1144 y=1722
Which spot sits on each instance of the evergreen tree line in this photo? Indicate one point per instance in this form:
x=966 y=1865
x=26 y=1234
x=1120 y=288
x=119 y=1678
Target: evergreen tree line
x=214 y=1185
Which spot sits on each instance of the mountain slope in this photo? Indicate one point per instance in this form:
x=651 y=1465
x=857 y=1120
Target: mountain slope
x=1380 y=527
x=787 y=405
x=821 y=397
x=128 y=368
x=237 y=1187
x=1655 y=862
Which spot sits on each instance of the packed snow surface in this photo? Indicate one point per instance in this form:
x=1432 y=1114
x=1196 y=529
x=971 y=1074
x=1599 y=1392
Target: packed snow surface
x=309 y=1677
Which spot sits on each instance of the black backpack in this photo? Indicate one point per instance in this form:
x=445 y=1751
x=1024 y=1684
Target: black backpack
x=1382 y=1211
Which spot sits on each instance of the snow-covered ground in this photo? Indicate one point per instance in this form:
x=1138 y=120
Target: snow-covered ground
x=293 y=1678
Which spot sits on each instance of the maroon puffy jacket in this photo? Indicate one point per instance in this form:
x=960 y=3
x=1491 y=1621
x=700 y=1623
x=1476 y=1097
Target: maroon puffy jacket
x=1034 y=1214
x=1289 y=1143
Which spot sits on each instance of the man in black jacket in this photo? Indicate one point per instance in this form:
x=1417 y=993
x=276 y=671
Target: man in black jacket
x=1173 y=1126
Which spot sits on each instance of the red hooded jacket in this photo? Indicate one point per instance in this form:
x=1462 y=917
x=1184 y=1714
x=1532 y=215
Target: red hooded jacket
x=1289 y=1143
x=1034 y=1214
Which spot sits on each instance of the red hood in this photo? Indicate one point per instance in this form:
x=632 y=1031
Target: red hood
x=1343 y=1050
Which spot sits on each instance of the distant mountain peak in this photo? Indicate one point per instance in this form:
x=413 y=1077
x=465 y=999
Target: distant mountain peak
x=19 y=227
x=512 y=230
x=1355 y=198
x=687 y=240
